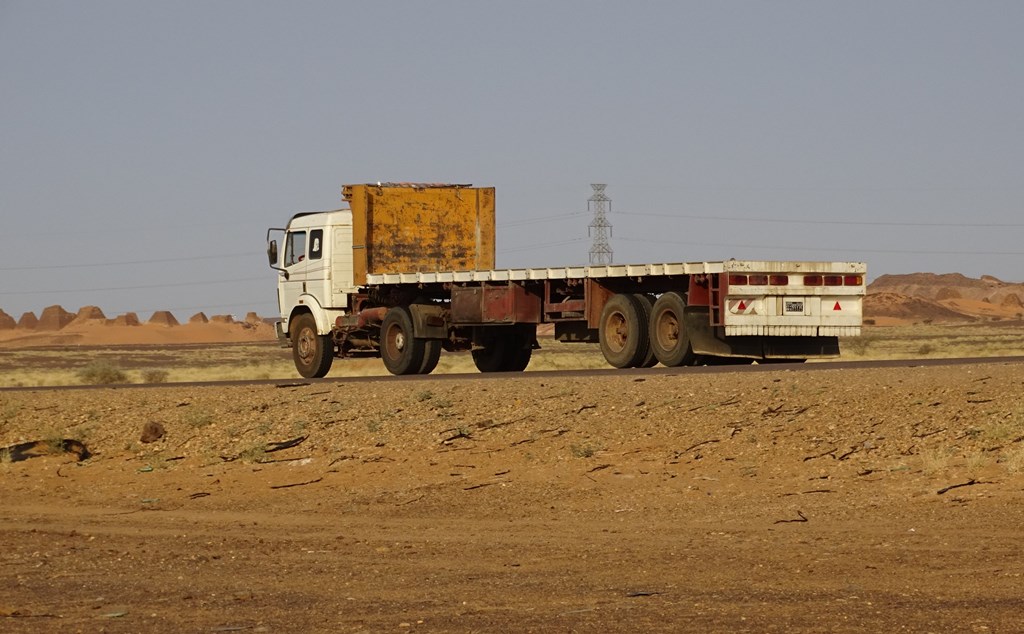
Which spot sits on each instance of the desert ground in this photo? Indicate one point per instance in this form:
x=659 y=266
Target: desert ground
x=814 y=500
x=778 y=499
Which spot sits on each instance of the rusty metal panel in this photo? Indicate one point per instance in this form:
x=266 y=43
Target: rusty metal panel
x=398 y=228
x=467 y=305
x=495 y=304
x=597 y=295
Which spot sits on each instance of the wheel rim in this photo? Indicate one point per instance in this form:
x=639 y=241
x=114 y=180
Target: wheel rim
x=617 y=330
x=395 y=341
x=307 y=346
x=666 y=330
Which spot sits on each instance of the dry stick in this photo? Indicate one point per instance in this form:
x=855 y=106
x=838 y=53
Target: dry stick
x=849 y=453
x=970 y=482
x=830 y=452
x=296 y=484
x=803 y=518
x=583 y=407
x=478 y=486
x=703 y=442
x=284 y=444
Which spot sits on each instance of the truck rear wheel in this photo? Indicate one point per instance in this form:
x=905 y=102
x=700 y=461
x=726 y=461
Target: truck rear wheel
x=313 y=353
x=669 y=339
x=623 y=332
x=505 y=348
x=431 y=355
x=647 y=358
x=522 y=348
x=401 y=352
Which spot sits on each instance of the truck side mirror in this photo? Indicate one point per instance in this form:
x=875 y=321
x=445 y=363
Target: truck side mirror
x=272 y=252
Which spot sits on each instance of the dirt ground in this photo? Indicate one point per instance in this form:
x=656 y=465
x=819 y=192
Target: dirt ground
x=866 y=500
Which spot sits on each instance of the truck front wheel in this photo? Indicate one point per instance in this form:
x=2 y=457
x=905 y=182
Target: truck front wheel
x=401 y=352
x=313 y=353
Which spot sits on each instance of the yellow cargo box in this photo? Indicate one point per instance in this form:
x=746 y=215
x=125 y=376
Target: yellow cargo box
x=418 y=228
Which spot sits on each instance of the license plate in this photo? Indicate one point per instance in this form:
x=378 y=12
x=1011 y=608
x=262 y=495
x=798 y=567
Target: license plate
x=794 y=307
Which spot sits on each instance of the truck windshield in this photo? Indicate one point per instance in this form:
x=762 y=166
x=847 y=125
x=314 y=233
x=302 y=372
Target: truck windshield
x=295 y=248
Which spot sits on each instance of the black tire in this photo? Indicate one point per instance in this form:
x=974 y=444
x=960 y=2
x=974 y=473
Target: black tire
x=431 y=355
x=646 y=304
x=522 y=349
x=401 y=352
x=505 y=348
x=494 y=351
x=313 y=353
x=622 y=333
x=669 y=340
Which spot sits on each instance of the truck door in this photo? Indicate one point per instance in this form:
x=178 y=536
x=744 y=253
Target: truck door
x=307 y=271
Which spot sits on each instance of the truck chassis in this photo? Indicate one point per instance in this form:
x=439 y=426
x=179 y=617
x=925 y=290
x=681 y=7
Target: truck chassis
x=673 y=314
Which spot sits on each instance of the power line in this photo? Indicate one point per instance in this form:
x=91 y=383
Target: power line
x=127 y=262
x=531 y=221
x=544 y=245
x=830 y=249
x=134 y=288
x=864 y=223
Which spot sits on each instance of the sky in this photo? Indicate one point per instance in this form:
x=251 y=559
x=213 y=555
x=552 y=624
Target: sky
x=146 y=147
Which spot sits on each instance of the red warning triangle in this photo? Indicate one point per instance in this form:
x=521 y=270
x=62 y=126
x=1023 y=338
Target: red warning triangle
x=742 y=306
x=837 y=307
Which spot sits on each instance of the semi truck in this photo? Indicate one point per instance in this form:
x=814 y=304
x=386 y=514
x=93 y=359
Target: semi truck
x=407 y=270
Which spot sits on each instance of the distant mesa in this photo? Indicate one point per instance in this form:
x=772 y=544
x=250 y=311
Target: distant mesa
x=28 y=321
x=127 y=319
x=222 y=319
x=886 y=304
x=54 y=318
x=7 y=322
x=199 y=318
x=947 y=292
x=163 y=318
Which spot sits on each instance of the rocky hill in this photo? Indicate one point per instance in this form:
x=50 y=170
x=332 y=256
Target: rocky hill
x=948 y=297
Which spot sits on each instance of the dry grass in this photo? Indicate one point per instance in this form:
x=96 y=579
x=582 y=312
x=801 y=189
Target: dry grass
x=930 y=341
x=227 y=362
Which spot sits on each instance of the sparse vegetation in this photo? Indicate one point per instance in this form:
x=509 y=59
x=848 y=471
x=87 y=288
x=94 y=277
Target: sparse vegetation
x=155 y=376
x=584 y=450
x=253 y=453
x=102 y=372
x=198 y=418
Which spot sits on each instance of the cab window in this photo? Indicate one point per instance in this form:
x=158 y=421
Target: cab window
x=316 y=244
x=295 y=248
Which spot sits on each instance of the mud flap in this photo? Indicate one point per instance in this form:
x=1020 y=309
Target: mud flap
x=705 y=341
x=428 y=321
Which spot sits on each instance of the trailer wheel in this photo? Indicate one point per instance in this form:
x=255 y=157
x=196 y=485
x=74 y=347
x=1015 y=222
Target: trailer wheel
x=401 y=352
x=623 y=332
x=646 y=304
x=313 y=353
x=431 y=355
x=669 y=339
x=522 y=348
x=496 y=349
x=505 y=349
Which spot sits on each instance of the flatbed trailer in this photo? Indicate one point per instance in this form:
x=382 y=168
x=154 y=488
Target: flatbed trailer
x=336 y=301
